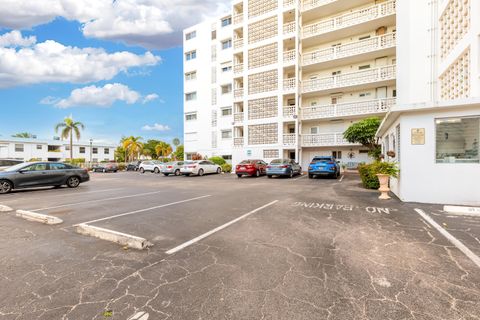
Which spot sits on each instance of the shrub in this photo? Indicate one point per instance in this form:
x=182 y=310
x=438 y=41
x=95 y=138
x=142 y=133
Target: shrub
x=218 y=160
x=382 y=167
x=227 y=167
x=369 y=179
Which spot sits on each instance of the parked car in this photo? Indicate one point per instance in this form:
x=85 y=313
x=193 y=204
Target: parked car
x=133 y=166
x=283 y=167
x=251 y=168
x=151 y=165
x=105 y=167
x=7 y=163
x=173 y=167
x=323 y=166
x=200 y=167
x=41 y=174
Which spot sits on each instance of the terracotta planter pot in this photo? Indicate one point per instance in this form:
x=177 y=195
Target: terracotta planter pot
x=384 y=189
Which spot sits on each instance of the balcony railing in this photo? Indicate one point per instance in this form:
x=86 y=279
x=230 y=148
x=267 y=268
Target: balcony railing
x=238 y=43
x=238 y=142
x=348 y=109
x=289 y=84
x=289 y=56
x=350 y=19
x=310 y=4
x=350 y=49
x=324 y=140
x=289 y=111
x=289 y=139
x=238 y=117
x=238 y=18
x=288 y=3
x=238 y=93
x=238 y=68
x=350 y=79
x=289 y=27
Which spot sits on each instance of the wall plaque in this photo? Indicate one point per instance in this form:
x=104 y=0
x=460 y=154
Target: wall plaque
x=418 y=136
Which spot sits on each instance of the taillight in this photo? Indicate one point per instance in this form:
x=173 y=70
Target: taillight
x=331 y=162
x=170 y=167
x=269 y=167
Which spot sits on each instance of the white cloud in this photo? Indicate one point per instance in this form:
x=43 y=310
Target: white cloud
x=104 y=97
x=148 y=23
x=51 y=61
x=15 y=39
x=156 y=127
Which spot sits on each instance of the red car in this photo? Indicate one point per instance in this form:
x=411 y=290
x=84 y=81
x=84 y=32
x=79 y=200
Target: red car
x=253 y=168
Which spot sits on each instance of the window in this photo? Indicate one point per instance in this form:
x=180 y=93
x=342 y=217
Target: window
x=226 y=44
x=95 y=150
x=106 y=151
x=214 y=34
x=57 y=166
x=394 y=93
x=227 y=68
x=336 y=73
x=54 y=149
x=457 y=140
x=337 y=154
x=227 y=157
x=314 y=130
x=226 y=111
x=190 y=35
x=191 y=96
x=36 y=167
x=226 y=89
x=191 y=75
x=39 y=147
x=191 y=116
x=81 y=150
x=191 y=55
x=367 y=66
x=364 y=37
x=67 y=147
x=226 y=134
x=226 y=21
x=19 y=147
x=364 y=94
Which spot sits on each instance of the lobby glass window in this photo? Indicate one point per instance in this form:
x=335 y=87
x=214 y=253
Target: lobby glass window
x=457 y=140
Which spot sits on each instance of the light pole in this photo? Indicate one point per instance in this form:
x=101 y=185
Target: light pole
x=91 y=150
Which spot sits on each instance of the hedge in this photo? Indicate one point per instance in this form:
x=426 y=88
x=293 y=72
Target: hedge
x=368 y=176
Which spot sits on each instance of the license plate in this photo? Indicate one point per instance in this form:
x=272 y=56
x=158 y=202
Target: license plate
x=242 y=168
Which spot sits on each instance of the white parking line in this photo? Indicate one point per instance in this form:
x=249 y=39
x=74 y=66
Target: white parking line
x=298 y=178
x=343 y=176
x=472 y=256
x=209 y=233
x=142 y=210
x=52 y=193
x=99 y=200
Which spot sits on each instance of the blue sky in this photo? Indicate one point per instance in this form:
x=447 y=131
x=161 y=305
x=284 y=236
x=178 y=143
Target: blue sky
x=43 y=77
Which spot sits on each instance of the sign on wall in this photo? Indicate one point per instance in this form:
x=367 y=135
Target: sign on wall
x=418 y=136
x=249 y=153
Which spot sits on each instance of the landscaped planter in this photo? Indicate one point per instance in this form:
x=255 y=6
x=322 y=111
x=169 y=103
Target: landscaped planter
x=384 y=189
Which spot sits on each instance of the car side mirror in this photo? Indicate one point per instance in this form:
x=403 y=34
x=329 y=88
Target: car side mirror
x=22 y=171
x=338 y=162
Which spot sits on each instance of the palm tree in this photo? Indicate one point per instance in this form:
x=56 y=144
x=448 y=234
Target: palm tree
x=23 y=135
x=163 y=149
x=132 y=146
x=69 y=128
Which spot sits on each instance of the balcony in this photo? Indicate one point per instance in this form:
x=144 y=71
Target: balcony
x=325 y=140
x=357 y=108
x=373 y=44
x=238 y=94
x=288 y=3
x=289 y=139
x=238 y=43
x=238 y=142
x=289 y=111
x=351 y=79
x=354 y=18
x=289 y=56
x=311 y=4
x=238 y=18
x=238 y=117
x=289 y=27
x=289 y=84
x=238 y=68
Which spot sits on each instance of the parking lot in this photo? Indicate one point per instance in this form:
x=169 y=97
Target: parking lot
x=228 y=248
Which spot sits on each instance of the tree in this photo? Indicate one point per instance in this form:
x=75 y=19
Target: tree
x=364 y=132
x=133 y=147
x=69 y=128
x=176 y=142
x=27 y=135
x=149 y=148
x=179 y=153
x=163 y=149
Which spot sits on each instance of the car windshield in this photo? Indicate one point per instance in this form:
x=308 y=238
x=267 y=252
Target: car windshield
x=157 y=162
x=279 y=161
x=322 y=159
x=246 y=162
x=16 y=167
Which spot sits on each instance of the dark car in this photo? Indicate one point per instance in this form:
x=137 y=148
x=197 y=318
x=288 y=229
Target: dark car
x=283 y=167
x=105 y=167
x=7 y=163
x=133 y=166
x=41 y=174
x=251 y=168
x=323 y=166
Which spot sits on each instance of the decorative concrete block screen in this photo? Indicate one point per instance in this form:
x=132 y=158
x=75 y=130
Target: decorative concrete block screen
x=258 y=7
x=263 y=29
x=455 y=81
x=263 y=134
x=271 y=154
x=263 y=82
x=263 y=56
x=454 y=25
x=263 y=108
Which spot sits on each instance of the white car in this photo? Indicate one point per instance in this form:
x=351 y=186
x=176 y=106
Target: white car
x=200 y=167
x=150 y=165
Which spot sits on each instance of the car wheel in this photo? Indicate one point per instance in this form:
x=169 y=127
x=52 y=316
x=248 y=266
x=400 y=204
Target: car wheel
x=104 y=170
x=165 y=174
x=219 y=170
x=257 y=174
x=200 y=172
x=310 y=176
x=291 y=174
x=142 y=170
x=5 y=186
x=73 y=182
x=239 y=175
x=177 y=172
x=269 y=176
x=187 y=174
x=156 y=170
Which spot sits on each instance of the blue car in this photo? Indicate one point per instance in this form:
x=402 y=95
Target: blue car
x=283 y=167
x=323 y=166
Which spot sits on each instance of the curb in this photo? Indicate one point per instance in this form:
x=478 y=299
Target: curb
x=463 y=211
x=5 y=208
x=38 y=217
x=114 y=236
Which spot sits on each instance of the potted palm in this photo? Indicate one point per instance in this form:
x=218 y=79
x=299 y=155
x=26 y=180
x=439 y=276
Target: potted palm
x=385 y=170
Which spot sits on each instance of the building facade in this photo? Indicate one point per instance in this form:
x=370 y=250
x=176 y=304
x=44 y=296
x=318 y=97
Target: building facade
x=54 y=150
x=302 y=73
x=434 y=128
